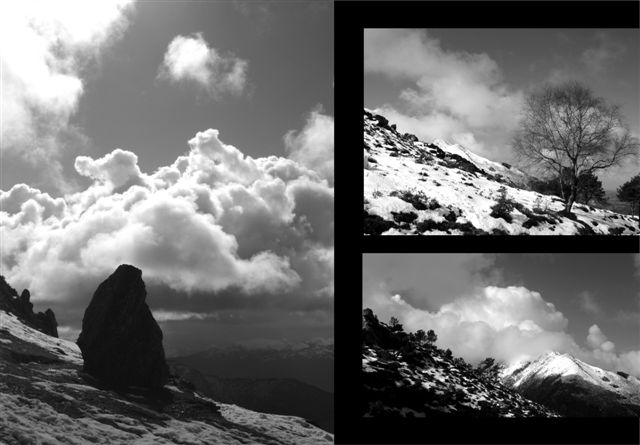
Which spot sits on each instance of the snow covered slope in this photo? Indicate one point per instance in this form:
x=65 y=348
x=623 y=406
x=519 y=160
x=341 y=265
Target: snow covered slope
x=46 y=398
x=407 y=378
x=573 y=387
x=413 y=187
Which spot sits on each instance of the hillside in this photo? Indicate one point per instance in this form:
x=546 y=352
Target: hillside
x=574 y=388
x=405 y=377
x=46 y=397
x=413 y=188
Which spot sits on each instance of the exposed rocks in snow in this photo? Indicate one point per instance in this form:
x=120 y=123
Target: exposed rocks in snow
x=468 y=185
x=121 y=343
x=574 y=388
x=22 y=307
x=407 y=377
x=46 y=398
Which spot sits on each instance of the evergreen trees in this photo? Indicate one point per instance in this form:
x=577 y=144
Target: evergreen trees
x=630 y=192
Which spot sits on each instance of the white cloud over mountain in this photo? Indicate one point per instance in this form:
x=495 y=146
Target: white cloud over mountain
x=507 y=323
x=191 y=59
x=214 y=220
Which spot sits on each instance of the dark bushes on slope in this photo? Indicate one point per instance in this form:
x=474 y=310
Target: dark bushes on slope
x=376 y=225
x=404 y=217
x=418 y=200
x=503 y=206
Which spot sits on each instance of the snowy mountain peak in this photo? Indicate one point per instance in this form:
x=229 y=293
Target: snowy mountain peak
x=561 y=380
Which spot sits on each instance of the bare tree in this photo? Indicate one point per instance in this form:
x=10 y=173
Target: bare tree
x=566 y=131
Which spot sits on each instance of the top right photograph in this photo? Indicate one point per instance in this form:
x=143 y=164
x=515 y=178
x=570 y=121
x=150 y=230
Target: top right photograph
x=501 y=132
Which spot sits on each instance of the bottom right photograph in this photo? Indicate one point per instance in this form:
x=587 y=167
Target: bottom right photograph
x=501 y=335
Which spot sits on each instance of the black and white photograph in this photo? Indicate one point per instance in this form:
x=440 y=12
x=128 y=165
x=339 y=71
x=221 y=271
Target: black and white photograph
x=167 y=222
x=501 y=131
x=500 y=336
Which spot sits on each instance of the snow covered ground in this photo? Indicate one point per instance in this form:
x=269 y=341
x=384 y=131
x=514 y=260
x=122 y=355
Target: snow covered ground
x=45 y=399
x=413 y=187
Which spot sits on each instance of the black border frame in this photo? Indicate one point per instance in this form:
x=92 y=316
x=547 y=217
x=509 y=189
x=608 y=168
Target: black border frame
x=351 y=17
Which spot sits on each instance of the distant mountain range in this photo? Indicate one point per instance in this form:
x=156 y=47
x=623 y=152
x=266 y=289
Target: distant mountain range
x=284 y=396
x=310 y=362
x=273 y=377
x=412 y=187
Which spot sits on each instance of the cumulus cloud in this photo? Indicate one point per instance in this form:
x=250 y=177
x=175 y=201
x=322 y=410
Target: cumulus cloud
x=313 y=145
x=190 y=59
x=597 y=340
x=507 y=323
x=214 y=222
x=457 y=96
x=47 y=48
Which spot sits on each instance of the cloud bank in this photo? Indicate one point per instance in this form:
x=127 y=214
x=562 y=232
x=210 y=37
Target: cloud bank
x=213 y=222
x=313 y=146
x=190 y=59
x=47 y=48
x=457 y=96
x=507 y=323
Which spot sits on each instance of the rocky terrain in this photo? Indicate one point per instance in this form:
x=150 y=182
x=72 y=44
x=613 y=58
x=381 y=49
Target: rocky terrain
x=574 y=388
x=407 y=377
x=47 y=395
x=413 y=188
x=21 y=307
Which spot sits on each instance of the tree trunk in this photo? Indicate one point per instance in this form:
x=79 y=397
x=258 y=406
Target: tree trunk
x=572 y=196
x=569 y=203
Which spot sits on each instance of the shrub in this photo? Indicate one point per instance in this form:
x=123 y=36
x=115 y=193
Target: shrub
x=451 y=216
x=616 y=230
x=395 y=325
x=404 y=217
x=418 y=199
x=503 y=206
x=376 y=225
x=448 y=353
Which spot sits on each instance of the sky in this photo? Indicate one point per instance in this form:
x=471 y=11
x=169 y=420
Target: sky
x=193 y=140
x=468 y=85
x=510 y=306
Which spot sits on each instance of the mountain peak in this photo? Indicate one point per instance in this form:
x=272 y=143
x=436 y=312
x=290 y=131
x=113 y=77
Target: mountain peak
x=573 y=387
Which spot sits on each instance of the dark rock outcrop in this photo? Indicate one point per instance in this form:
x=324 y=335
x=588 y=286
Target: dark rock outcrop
x=121 y=343
x=376 y=333
x=21 y=307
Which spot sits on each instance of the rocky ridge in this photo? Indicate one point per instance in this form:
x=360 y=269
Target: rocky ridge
x=403 y=377
x=21 y=307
